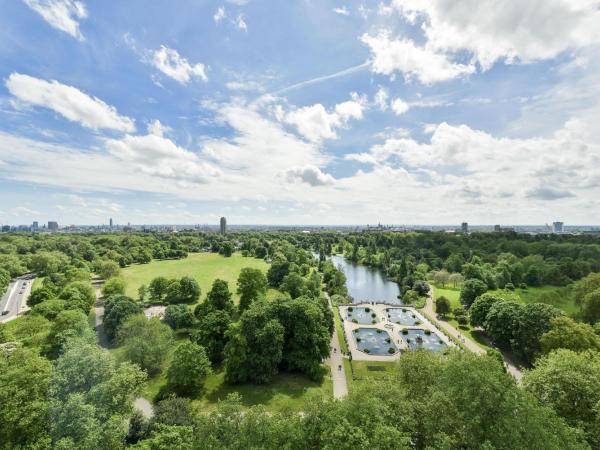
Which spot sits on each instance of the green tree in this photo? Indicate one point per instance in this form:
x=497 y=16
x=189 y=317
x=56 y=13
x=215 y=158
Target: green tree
x=24 y=381
x=158 y=289
x=113 y=286
x=442 y=305
x=69 y=324
x=279 y=268
x=568 y=334
x=569 y=382
x=251 y=286
x=189 y=290
x=177 y=411
x=40 y=295
x=145 y=342
x=178 y=316
x=294 y=284
x=107 y=269
x=590 y=307
x=471 y=289
x=502 y=321
x=211 y=333
x=142 y=292
x=79 y=294
x=219 y=297
x=49 y=308
x=116 y=310
x=535 y=320
x=188 y=369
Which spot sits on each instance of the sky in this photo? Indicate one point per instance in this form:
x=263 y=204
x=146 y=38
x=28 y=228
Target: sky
x=300 y=111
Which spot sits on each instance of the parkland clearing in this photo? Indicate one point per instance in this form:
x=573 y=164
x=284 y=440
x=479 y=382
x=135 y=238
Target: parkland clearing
x=373 y=339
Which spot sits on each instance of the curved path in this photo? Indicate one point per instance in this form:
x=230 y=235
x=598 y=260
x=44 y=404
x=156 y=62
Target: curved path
x=466 y=341
x=144 y=405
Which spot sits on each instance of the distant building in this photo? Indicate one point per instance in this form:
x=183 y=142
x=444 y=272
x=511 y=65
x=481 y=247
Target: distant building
x=35 y=226
x=223 y=225
x=464 y=227
x=558 y=227
x=499 y=229
x=5 y=228
x=53 y=226
x=110 y=223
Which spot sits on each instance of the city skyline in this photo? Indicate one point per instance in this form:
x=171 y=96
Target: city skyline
x=334 y=113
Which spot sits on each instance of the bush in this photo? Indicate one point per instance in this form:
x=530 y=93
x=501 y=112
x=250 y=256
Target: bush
x=427 y=332
x=405 y=331
x=354 y=321
x=379 y=331
x=373 y=315
x=358 y=339
x=418 y=322
x=523 y=286
x=350 y=309
x=366 y=350
x=509 y=286
x=391 y=350
x=373 y=322
x=388 y=340
x=408 y=340
x=368 y=309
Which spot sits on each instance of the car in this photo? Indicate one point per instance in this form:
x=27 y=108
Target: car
x=5 y=312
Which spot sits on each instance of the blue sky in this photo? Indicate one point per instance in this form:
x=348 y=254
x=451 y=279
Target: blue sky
x=314 y=112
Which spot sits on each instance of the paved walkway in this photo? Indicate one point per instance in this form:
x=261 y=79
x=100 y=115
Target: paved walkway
x=429 y=310
x=336 y=360
x=144 y=405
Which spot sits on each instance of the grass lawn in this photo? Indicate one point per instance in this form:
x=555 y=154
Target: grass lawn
x=37 y=283
x=560 y=297
x=203 y=267
x=340 y=330
x=373 y=369
x=450 y=293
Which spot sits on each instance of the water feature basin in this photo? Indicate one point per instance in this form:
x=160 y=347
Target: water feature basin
x=417 y=338
x=374 y=341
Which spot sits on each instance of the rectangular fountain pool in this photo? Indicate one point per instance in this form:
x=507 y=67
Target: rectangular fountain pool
x=362 y=315
x=402 y=316
x=374 y=341
x=418 y=338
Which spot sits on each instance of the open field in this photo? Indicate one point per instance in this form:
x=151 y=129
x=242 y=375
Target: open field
x=373 y=369
x=203 y=267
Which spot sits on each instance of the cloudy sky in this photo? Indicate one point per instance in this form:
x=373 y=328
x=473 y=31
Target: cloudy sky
x=300 y=111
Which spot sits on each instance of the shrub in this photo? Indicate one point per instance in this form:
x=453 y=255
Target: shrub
x=379 y=332
x=366 y=350
x=408 y=341
x=509 y=286
x=388 y=340
x=373 y=322
x=356 y=331
x=405 y=331
x=391 y=350
x=523 y=286
x=354 y=320
x=403 y=310
x=350 y=309
x=358 y=339
x=427 y=332
x=418 y=322
x=367 y=309
x=373 y=315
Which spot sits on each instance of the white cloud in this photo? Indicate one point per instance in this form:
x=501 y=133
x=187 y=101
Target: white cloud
x=240 y=23
x=155 y=155
x=310 y=175
x=315 y=123
x=381 y=98
x=68 y=101
x=63 y=15
x=219 y=14
x=402 y=55
x=511 y=30
x=169 y=62
x=399 y=106
x=342 y=11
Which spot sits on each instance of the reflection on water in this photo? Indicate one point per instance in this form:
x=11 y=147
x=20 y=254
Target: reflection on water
x=366 y=284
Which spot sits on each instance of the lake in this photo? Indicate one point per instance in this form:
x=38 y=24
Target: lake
x=366 y=284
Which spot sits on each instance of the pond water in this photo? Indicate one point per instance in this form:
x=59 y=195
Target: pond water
x=366 y=284
x=373 y=341
x=417 y=338
x=402 y=316
x=361 y=315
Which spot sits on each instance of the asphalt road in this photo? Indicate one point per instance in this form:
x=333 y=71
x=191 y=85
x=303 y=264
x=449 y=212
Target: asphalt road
x=14 y=301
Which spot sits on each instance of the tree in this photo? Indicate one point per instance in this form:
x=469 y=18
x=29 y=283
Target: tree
x=535 y=320
x=584 y=286
x=172 y=295
x=294 y=284
x=568 y=334
x=107 y=269
x=189 y=290
x=481 y=307
x=226 y=249
x=188 y=369
x=142 y=292
x=471 y=289
x=116 y=310
x=410 y=297
x=219 y=297
x=79 y=294
x=279 y=268
x=441 y=277
x=49 y=308
x=158 y=289
x=442 y=305
x=113 y=286
x=569 y=382
x=178 y=316
x=173 y=411
x=421 y=287
x=590 y=307
x=211 y=333
x=24 y=381
x=251 y=285
x=502 y=321
x=40 y=295
x=69 y=324
x=456 y=279
x=145 y=342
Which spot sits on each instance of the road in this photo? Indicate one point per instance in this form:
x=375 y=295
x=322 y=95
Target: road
x=14 y=301
x=144 y=405
x=336 y=362
x=429 y=310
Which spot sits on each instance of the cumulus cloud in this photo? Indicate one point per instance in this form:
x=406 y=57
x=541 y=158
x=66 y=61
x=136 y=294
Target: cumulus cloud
x=68 y=101
x=510 y=30
x=237 y=21
x=173 y=65
x=381 y=99
x=219 y=14
x=316 y=124
x=399 y=106
x=310 y=175
x=63 y=15
x=390 y=55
